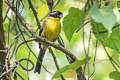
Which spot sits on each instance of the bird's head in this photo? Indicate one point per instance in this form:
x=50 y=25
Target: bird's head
x=56 y=14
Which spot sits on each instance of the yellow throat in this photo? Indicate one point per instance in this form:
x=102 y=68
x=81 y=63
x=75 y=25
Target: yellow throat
x=52 y=28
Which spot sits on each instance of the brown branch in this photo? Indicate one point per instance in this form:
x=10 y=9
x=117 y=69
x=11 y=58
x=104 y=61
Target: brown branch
x=28 y=60
x=2 y=40
x=113 y=62
x=35 y=13
x=40 y=39
x=17 y=47
x=26 y=25
x=65 y=51
x=54 y=57
x=50 y=4
x=6 y=72
x=57 y=46
x=55 y=60
x=4 y=51
x=83 y=15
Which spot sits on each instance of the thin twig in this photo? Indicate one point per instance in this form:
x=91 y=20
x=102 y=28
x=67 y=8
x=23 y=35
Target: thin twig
x=85 y=23
x=5 y=51
x=17 y=47
x=105 y=31
x=19 y=75
x=55 y=4
x=94 y=58
x=28 y=65
x=15 y=44
x=6 y=15
x=57 y=1
x=57 y=46
x=14 y=40
x=83 y=35
x=110 y=58
x=35 y=13
x=38 y=39
x=28 y=47
x=55 y=60
x=26 y=25
x=28 y=60
x=83 y=15
x=88 y=54
x=6 y=72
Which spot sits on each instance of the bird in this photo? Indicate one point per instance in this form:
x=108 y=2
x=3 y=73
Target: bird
x=50 y=30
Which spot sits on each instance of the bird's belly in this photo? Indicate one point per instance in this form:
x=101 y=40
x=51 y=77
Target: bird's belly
x=52 y=32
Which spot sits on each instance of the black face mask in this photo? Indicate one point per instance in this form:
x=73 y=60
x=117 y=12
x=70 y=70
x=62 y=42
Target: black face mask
x=56 y=14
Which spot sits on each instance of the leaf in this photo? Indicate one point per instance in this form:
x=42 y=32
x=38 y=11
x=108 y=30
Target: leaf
x=72 y=66
x=113 y=41
x=112 y=4
x=104 y=15
x=71 y=22
x=115 y=75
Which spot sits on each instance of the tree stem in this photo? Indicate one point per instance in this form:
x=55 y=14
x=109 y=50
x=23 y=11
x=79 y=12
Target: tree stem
x=2 y=40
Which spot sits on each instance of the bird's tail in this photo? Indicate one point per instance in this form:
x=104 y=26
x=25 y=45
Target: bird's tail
x=39 y=60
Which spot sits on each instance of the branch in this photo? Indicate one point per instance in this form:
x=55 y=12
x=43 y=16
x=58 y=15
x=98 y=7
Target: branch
x=4 y=51
x=57 y=46
x=3 y=74
x=113 y=62
x=55 y=60
x=17 y=47
x=2 y=41
x=35 y=13
x=105 y=31
x=42 y=40
x=83 y=16
x=26 y=25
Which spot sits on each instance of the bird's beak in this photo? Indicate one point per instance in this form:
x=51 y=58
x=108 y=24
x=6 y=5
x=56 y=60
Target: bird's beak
x=60 y=15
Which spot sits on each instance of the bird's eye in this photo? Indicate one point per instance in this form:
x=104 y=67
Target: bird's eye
x=56 y=14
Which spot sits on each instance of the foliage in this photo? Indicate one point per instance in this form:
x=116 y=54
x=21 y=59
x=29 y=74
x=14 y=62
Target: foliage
x=95 y=23
x=71 y=22
x=73 y=66
x=115 y=75
x=104 y=16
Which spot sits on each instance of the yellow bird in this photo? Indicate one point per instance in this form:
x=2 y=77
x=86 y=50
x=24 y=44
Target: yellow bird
x=50 y=30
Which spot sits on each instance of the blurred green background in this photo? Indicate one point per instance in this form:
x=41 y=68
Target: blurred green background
x=102 y=65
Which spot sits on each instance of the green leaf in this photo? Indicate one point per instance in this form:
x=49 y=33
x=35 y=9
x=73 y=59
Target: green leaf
x=104 y=16
x=72 y=66
x=115 y=75
x=113 y=41
x=71 y=22
x=112 y=3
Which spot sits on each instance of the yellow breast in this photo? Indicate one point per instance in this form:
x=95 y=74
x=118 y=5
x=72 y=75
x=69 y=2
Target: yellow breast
x=52 y=28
